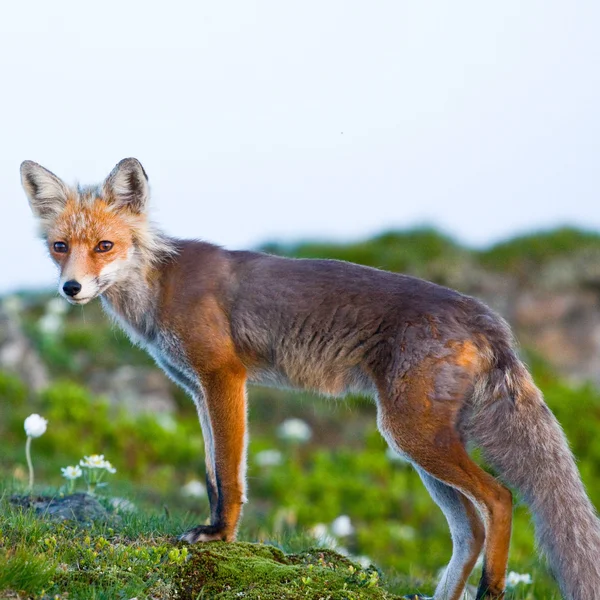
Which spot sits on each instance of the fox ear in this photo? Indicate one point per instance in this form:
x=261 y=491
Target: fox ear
x=47 y=193
x=127 y=186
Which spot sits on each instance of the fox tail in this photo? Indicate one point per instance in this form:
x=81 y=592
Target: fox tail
x=523 y=441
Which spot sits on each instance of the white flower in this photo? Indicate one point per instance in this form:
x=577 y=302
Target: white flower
x=50 y=324
x=109 y=467
x=319 y=530
x=166 y=421
x=71 y=472
x=123 y=505
x=364 y=561
x=295 y=430
x=342 y=526
x=57 y=306
x=513 y=579
x=402 y=532
x=323 y=537
x=268 y=458
x=96 y=461
x=194 y=489
x=35 y=425
x=393 y=456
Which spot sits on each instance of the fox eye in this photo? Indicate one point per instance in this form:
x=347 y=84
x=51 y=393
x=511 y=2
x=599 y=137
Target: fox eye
x=60 y=247
x=104 y=246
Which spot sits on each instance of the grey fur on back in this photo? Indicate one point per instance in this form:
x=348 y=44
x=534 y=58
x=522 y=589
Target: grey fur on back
x=522 y=439
x=328 y=325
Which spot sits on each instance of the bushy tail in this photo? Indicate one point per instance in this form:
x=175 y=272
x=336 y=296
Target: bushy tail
x=521 y=438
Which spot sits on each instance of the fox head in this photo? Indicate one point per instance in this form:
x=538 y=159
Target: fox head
x=95 y=235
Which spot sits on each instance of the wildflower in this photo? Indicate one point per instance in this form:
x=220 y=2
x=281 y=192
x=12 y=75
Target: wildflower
x=50 y=324
x=402 y=532
x=194 y=489
x=513 y=579
x=268 y=458
x=342 y=526
x=97 y=461
x=323 y=538
x=95 y=467
x=166 y=421
x=364 y=561
x=123 y=505
x=34 y=427
x=319 y=530
x=71 y=472
x=57 y=306
x=295 y=430
x=394 y=456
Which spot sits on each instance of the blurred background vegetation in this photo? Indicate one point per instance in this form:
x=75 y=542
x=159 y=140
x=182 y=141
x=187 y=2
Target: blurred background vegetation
x=102 y=395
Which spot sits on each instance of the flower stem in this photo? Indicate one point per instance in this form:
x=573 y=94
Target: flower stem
x=29 y=463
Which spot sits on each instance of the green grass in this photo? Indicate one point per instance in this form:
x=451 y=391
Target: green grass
x=137 y=555
x=121 y=560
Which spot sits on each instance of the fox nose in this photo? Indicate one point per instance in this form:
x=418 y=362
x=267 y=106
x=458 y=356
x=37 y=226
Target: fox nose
x=72 y=288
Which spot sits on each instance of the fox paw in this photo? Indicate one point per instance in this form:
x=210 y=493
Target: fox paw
x=204 y=533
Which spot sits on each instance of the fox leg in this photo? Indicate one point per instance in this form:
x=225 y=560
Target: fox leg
x=223 y=420
x=417 y=416
x=441 y=454
x=468 y=535
x=209 y=456
x=194 y=389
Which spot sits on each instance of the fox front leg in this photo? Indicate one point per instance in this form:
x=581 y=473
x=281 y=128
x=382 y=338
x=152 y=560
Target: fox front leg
x=222 y=413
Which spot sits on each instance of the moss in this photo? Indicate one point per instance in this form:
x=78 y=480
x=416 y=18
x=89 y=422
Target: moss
x=256 y=571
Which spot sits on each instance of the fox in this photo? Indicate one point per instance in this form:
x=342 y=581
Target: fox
x=442 y=368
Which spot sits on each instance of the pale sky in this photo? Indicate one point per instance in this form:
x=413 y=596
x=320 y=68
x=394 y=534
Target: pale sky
x=281 y=120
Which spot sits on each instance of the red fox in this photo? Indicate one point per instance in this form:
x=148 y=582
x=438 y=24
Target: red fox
x=441 y=367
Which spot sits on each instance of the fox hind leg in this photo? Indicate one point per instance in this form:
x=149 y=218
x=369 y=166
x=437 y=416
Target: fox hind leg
x=418 y=419
x=467 y=533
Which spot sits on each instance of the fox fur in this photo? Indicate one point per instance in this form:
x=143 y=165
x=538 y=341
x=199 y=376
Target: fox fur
x=441 y=367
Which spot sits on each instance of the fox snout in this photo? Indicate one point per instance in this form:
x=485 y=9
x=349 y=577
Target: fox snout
x=72 y=288
x=78 y=289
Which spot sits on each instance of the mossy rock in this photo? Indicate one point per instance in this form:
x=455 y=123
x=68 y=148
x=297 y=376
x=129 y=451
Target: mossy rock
x=259 y=572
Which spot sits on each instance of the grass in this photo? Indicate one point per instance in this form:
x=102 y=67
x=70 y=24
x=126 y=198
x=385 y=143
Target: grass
x=129 y=558
x=137 y=555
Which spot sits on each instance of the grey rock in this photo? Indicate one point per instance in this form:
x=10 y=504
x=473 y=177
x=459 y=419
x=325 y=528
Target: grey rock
x=80 y=507
x=136 y=389
x=17 y=353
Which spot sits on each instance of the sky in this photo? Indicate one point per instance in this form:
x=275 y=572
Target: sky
x=284 y=121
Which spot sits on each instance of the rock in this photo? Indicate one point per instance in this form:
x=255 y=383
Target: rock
x=80 y=507
x=17 y=354
x=137 y=389
x=563 y=327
